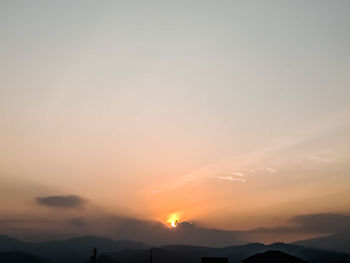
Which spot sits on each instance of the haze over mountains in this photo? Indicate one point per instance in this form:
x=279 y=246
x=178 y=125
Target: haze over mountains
x=185 y=243
x=159 y=233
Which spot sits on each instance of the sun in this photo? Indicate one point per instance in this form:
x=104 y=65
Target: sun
x=173 y=220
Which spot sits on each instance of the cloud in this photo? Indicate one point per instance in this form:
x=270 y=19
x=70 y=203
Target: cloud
x=275 y=230
x=157 y=233
x=22 y=221
x=238 y=174
x=62 y=201
x=323 y=222
x=312 y=223
x=78 y=221
x=318 y=158
x=230 y=178
x=271 y=170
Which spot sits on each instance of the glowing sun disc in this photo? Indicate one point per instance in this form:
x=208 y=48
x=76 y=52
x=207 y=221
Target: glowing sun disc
x=173 y=223
x=173 y=220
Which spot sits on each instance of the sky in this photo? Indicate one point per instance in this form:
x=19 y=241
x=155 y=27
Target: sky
x=231 y=114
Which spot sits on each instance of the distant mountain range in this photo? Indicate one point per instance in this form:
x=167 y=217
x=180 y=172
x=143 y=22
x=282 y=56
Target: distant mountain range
x=67 y=251
x=337 y=242
x=78 y=250
x=273 y=256
x=193 y=254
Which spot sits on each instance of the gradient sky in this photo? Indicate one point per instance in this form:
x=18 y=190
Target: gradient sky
x=233 y=114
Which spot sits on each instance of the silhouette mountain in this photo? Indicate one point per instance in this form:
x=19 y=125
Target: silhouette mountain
x=70 y=250
x=78 y=250
x=18 y=257
x=193 y=254
x=273 y=256
x=337 y=242
x=8 y=243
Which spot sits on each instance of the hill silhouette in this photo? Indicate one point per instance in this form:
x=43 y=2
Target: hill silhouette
x=193 y=254
x=273 y=256
x=19 y=257
x=78 y=250
x=337 y=242
x=70 y=250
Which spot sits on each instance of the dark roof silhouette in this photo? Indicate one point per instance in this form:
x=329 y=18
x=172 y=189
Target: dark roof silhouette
x=214 y=260
x=273 y=256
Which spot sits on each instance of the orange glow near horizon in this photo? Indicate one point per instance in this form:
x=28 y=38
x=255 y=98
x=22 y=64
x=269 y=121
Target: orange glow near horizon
x=173 y=220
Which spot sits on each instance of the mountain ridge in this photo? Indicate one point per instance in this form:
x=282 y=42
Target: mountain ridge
x=78 y=250
x=336 y=242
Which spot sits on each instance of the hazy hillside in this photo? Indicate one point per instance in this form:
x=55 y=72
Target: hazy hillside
x=78 y=250
x=21 y=257
x=337 y=242
x=193 y=254
x=71 y=250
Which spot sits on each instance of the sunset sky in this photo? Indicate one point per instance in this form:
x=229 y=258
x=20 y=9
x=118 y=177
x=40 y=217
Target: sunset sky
x=232 y=114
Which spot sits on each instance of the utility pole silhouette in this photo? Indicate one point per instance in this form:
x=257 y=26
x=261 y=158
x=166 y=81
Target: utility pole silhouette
x=151 y=256
x=94 y=256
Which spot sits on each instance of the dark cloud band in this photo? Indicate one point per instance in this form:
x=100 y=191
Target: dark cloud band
x=62 y=201
x=313 y=223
